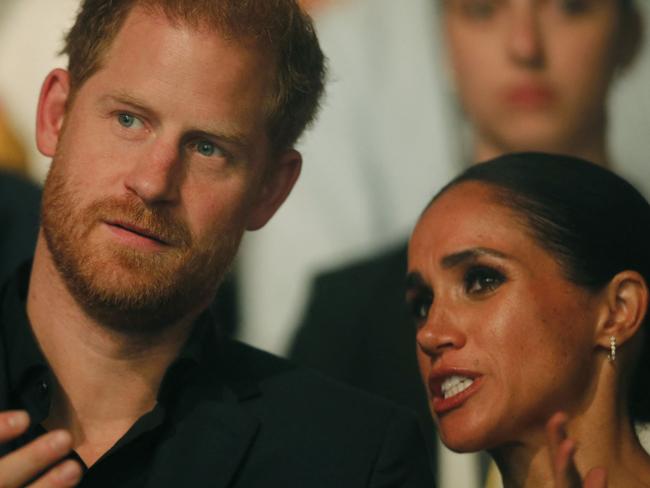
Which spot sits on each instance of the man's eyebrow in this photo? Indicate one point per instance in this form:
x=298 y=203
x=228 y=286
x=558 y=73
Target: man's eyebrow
x=472 y=254
x=126 y=99
x=232 y=138
x=229 y=137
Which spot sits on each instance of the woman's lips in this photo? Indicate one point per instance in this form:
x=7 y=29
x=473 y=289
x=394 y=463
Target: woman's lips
x=529 y=96
x=457 y=385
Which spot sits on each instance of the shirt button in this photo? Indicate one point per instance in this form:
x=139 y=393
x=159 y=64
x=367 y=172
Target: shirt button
x=43 y=387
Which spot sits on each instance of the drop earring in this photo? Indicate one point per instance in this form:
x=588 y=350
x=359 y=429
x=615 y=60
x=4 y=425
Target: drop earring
x=612 y=349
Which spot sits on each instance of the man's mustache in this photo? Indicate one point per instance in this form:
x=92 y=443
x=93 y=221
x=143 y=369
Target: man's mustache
x=155 y=222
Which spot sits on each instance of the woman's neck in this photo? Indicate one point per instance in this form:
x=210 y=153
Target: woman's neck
x=604 y=440
x=591 y=147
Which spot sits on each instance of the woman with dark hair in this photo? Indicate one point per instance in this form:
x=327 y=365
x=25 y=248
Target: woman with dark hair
x=528 y=280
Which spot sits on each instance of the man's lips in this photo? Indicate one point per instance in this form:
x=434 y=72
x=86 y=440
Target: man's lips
x=458 y=384
x=122 y=226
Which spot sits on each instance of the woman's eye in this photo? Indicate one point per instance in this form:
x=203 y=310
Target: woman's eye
x=574 y=7
x=129 y=121
x=478 y=9
x=419 y=307
x=481 y=279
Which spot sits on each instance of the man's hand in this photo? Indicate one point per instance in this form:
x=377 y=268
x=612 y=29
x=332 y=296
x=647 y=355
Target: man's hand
x=24 y=464
x=562 y=450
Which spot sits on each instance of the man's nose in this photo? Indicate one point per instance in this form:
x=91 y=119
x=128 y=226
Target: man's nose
x=524 y=37
x=440 y=332
x=157 y=175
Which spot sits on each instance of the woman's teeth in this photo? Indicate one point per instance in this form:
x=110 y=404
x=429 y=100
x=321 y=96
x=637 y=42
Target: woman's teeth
x=455 y=385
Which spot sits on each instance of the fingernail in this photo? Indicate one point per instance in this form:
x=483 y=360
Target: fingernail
x=69 y=472
x=59 y=440
x=18 y=420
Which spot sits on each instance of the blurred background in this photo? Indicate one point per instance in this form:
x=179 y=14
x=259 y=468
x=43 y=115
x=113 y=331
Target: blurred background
x=390 y=134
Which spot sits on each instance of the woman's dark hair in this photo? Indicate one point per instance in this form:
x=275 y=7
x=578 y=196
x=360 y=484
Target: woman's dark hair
x=592 y=221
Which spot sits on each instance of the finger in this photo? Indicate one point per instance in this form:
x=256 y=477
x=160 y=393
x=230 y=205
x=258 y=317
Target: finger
x=596 y=478
x=24 y=464
x=12 y=424
x=556 y=435
x=64 y=475
x=564 y=470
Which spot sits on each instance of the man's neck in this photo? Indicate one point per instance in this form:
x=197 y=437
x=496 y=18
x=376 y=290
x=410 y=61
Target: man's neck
x=106 y=380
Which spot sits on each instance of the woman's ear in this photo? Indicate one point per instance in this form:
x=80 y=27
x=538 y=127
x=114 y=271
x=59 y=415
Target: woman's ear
x=51 y=111
x=626 y=304
x=632 y=34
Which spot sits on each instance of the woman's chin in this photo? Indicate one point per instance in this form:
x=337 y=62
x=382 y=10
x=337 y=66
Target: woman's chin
x=462 y=444
x=466 y=436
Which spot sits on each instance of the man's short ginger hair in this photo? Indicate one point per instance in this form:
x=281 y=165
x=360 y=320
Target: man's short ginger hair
x=279 y=26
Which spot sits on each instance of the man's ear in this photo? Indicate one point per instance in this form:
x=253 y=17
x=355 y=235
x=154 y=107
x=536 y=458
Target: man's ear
x=631 y=38
x=626 y=304
x=51 y=111
x=278 y=182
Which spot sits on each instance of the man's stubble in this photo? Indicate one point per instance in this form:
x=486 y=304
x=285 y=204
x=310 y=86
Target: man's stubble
x=132 y=291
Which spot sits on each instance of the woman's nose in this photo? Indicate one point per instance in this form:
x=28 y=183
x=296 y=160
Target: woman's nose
x=524 y=37
x=441 y=332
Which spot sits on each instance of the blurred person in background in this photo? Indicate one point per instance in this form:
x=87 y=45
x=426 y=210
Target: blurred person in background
x=19 y=202
x=382 y=120
x=528 y=75
x=536 y=75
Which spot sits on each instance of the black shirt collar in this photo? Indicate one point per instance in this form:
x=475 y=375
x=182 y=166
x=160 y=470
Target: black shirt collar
x=25 y=360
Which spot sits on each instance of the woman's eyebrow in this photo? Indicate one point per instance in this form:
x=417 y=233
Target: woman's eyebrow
x=472 y=254
x=414 y=280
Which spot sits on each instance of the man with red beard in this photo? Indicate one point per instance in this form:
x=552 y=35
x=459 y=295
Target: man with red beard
x=172 y=133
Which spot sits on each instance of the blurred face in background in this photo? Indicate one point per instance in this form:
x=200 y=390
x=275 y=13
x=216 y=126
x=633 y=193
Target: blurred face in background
x=535 y=74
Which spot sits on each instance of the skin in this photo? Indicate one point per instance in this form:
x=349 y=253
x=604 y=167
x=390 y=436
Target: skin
x=137 y=131
x=505 y=312
x=535 y=75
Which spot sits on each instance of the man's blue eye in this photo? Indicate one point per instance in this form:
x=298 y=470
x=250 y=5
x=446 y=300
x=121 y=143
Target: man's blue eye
x=126 y=120
x=206 y=148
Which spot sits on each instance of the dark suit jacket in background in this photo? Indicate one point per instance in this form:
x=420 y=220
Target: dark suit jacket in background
x=20 y=202
x=358 y=330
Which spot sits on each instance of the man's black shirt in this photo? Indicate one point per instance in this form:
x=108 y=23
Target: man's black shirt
x=30 y=381
x=227 y=415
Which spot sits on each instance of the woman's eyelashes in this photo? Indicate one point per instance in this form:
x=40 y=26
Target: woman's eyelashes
x=477 y=281
x=419 y=304
x=480 y=280
x=475 y=9
x=574 y=7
